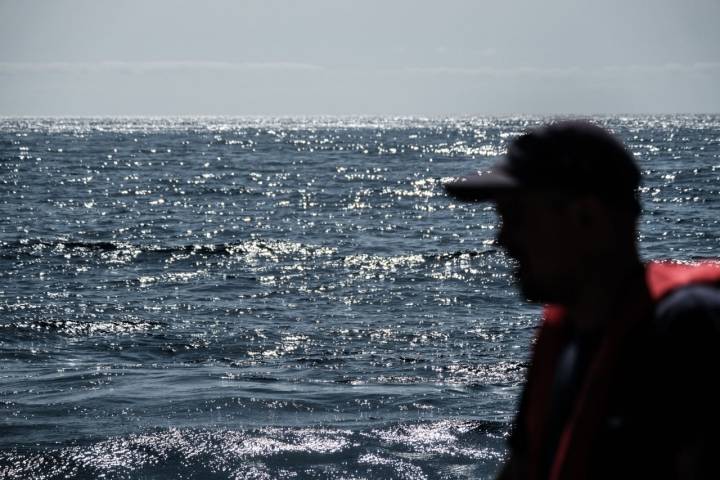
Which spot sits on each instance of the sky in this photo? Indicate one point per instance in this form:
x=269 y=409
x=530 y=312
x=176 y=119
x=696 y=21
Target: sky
x=358 y=57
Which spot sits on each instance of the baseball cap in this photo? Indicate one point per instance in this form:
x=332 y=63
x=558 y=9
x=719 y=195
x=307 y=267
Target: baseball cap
x=572 y=156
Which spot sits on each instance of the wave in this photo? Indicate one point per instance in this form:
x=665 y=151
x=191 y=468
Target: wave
x=79 y=328
x=10 y=250
x=406 y=450
x=32 y=246
x=460 y=254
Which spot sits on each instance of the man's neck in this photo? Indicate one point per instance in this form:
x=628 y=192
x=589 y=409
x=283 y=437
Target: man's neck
x=605 y=290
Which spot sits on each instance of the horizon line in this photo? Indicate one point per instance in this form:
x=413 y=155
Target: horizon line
x=353 y=115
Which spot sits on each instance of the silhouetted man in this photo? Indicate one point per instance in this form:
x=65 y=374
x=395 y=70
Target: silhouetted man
x=625 y=370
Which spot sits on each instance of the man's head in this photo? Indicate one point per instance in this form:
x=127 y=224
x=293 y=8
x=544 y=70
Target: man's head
x=567 y=199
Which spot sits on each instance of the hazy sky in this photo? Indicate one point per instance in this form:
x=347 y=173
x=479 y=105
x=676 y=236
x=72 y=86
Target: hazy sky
x=406 y=57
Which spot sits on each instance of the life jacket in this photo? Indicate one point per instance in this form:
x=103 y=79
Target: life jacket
x=572 y=453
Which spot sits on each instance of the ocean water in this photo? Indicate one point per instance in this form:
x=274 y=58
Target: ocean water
x=259 y=298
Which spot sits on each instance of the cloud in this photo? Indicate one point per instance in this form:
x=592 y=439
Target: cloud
x=148 y=67
x=277 y=88
x=442 y=71
x=570 y=72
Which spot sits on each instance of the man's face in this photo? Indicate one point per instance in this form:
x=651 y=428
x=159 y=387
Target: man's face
x=537 y=231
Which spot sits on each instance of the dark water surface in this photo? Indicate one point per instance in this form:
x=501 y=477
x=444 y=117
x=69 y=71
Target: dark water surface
x=279 y=298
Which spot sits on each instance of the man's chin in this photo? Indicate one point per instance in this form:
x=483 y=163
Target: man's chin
x=532 y=295
x=533 y=290
x=541 y=292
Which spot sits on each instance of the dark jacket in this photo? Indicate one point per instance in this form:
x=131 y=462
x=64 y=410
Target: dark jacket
x=646 y=405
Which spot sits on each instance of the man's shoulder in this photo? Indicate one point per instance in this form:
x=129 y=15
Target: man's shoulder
x=693 y=308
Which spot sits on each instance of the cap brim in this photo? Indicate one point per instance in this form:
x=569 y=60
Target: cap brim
x=480 y=187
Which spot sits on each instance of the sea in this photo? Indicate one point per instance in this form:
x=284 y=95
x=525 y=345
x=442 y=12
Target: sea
x=281 y=298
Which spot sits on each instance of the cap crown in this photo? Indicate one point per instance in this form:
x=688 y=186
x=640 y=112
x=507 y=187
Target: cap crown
x=575 y=157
